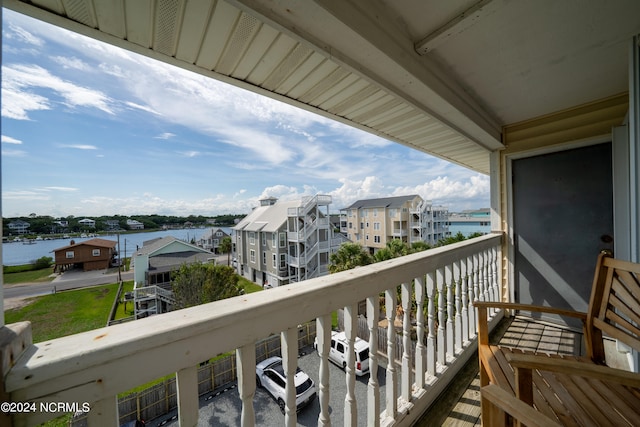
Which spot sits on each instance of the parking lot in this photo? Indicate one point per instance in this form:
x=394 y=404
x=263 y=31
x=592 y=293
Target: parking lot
x=224 y=407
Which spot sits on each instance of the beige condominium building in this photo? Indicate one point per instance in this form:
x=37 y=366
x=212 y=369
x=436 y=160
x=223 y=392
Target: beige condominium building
x=373 y=222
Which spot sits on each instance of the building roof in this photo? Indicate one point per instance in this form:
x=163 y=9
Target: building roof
x=267 y=218
x=168 y=262
x=383 y=202
x=103 y=243
x=154 y=245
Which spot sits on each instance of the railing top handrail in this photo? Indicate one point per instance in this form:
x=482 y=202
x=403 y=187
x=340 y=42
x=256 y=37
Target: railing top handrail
x=217 y=327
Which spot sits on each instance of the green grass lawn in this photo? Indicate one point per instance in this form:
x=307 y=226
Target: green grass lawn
x=120 y=311
x=66 y=313
x=28 y=276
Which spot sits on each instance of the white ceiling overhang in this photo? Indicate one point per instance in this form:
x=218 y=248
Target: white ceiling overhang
x=442 y=77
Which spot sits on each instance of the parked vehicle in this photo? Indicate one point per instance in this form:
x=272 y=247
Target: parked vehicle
x=270 y=375
x=338 y=352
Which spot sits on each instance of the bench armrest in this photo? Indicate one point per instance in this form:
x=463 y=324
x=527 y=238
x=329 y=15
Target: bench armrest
x=574 y=367
x=519 y=410
x=528 y=307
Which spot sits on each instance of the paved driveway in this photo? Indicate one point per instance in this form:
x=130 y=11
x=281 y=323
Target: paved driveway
x=224 y=408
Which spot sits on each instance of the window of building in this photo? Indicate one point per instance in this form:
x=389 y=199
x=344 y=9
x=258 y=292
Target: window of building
x=216 y=242
x=274 y=240
x=350 y=225
x=70 y=254
x=264 y=239
x=362 y=226
x=376 y=226
x=219 y=233
x=392 y=213
x=252 y=256
x=283 y=260
x=95 y=252
x=365 y=212
x=252 y=238
x=264 y=258
x=274 y=260
x=376 y=239
x=283 y=240
x=375 y=212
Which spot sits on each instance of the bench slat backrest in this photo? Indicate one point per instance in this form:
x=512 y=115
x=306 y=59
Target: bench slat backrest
x=614 y=308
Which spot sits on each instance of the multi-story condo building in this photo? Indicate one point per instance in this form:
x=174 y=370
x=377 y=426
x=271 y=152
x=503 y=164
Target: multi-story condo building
x=373 y=222
x=283 y=242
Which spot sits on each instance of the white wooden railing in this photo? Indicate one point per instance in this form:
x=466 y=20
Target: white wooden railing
x=97 y=365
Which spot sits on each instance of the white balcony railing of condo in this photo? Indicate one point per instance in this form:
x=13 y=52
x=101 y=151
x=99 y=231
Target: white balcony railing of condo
x=97 y=365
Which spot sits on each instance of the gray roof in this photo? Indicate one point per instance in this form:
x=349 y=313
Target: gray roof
x=168 y=262
x=151 y=246
x=383 y=202
x=267 y=218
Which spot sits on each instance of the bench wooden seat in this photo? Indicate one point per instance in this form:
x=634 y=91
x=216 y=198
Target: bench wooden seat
x=569 y=390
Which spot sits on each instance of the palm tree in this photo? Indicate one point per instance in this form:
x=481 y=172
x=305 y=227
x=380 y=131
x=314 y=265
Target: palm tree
x=225 y=248
x=348 y=256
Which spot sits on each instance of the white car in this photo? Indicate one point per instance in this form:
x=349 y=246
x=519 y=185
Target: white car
x=338 y=352
x=270 y=375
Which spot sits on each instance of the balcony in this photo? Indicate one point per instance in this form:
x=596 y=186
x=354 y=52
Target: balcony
x=97 y=365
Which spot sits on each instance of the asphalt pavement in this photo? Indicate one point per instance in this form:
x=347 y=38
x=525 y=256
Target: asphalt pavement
x=223 y=407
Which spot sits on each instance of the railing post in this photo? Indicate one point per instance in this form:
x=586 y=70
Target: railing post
x=406 y=381
x=188 y=406
x=246 y=362
x=391 y=390
x=420 y=364
x=441 y=343
x=431 y=314
x=373 y=388
x=473 y=324
x=323 y=333
x=350 y=326
x=464 y=313
x=458 y=306
x=451 y=351
x=104 y=412
x=289 y=343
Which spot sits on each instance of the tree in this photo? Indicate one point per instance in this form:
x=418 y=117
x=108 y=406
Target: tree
x=225 y=247
x=348 y=256
x=198 y=283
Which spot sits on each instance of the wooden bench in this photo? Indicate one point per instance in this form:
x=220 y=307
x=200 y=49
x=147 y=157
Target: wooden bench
x=568 y=390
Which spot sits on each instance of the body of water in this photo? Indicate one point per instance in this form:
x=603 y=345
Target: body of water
x=17 y=253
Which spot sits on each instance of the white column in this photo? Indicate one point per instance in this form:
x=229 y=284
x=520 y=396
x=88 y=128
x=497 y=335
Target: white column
x=323 y=334
x=104 y=412
x=431 y=316
x=350 y=404
x=448 y=282
x=407 y=381
x=441 y=342
x=473 y=295
x=421 y=363
x=458 y=306
x=464 y=313
x=373 y=388
x=188 y=404
x=391 y=391
x=289 y=343
x=246 y=361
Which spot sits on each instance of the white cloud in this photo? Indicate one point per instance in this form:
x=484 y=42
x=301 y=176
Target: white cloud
x=72 y=63
x=9 y=140
x=66 y=189
x=79 y=146
x=20 y=34
x=165 y=135
x=13 y=153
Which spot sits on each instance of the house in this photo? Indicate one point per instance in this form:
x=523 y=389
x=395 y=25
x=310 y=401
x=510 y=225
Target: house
x=374 y=222
x=211 y=239
x=88 y=223
x=92 y=254
x=470 y=222
x=19 y=226
x=135 y=225
x=112 y=225
x=284 y=242
x=543 y=97
x=152 y=266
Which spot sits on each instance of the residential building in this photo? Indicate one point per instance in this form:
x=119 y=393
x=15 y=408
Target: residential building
x=19 y=226
x=470 y=222
x=152 y=266
x=88 y=223
x=134 y=224
x=211 y=239
x=92 y=254
x=547 y=105
x=112 y=225
x=283 y=242
x=374 y=222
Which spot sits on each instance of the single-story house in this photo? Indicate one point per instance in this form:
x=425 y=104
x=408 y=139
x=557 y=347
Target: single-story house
x=93 y=254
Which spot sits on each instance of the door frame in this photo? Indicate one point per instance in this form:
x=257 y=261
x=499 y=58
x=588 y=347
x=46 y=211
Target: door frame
x=618 y=181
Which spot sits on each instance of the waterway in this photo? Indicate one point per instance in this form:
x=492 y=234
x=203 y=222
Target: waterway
x=18 y=253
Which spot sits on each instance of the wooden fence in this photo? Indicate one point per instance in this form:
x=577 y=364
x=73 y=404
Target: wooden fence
x=161 y=398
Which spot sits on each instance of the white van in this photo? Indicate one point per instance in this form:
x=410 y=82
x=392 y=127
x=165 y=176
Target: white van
x=338 y=350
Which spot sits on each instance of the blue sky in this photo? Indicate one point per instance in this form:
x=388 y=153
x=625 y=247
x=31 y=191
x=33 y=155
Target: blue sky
x=89 y=129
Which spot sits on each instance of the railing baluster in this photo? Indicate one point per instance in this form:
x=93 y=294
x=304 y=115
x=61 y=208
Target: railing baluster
x=104 y=412
x=406 y=381
x=431 y=315
x=494 y=274
x=441 y=342
x=473 y=294
x=391 y=391
x=187 y=385
x=373 y=388
x=323 y=333
x=464 y=293
x=421 y=363
x=289 y=343
x=448 y=274
x=246 y=367
x=458 y=306
x=350 y=326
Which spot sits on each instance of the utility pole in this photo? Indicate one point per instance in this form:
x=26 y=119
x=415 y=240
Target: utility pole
x=119 y=261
